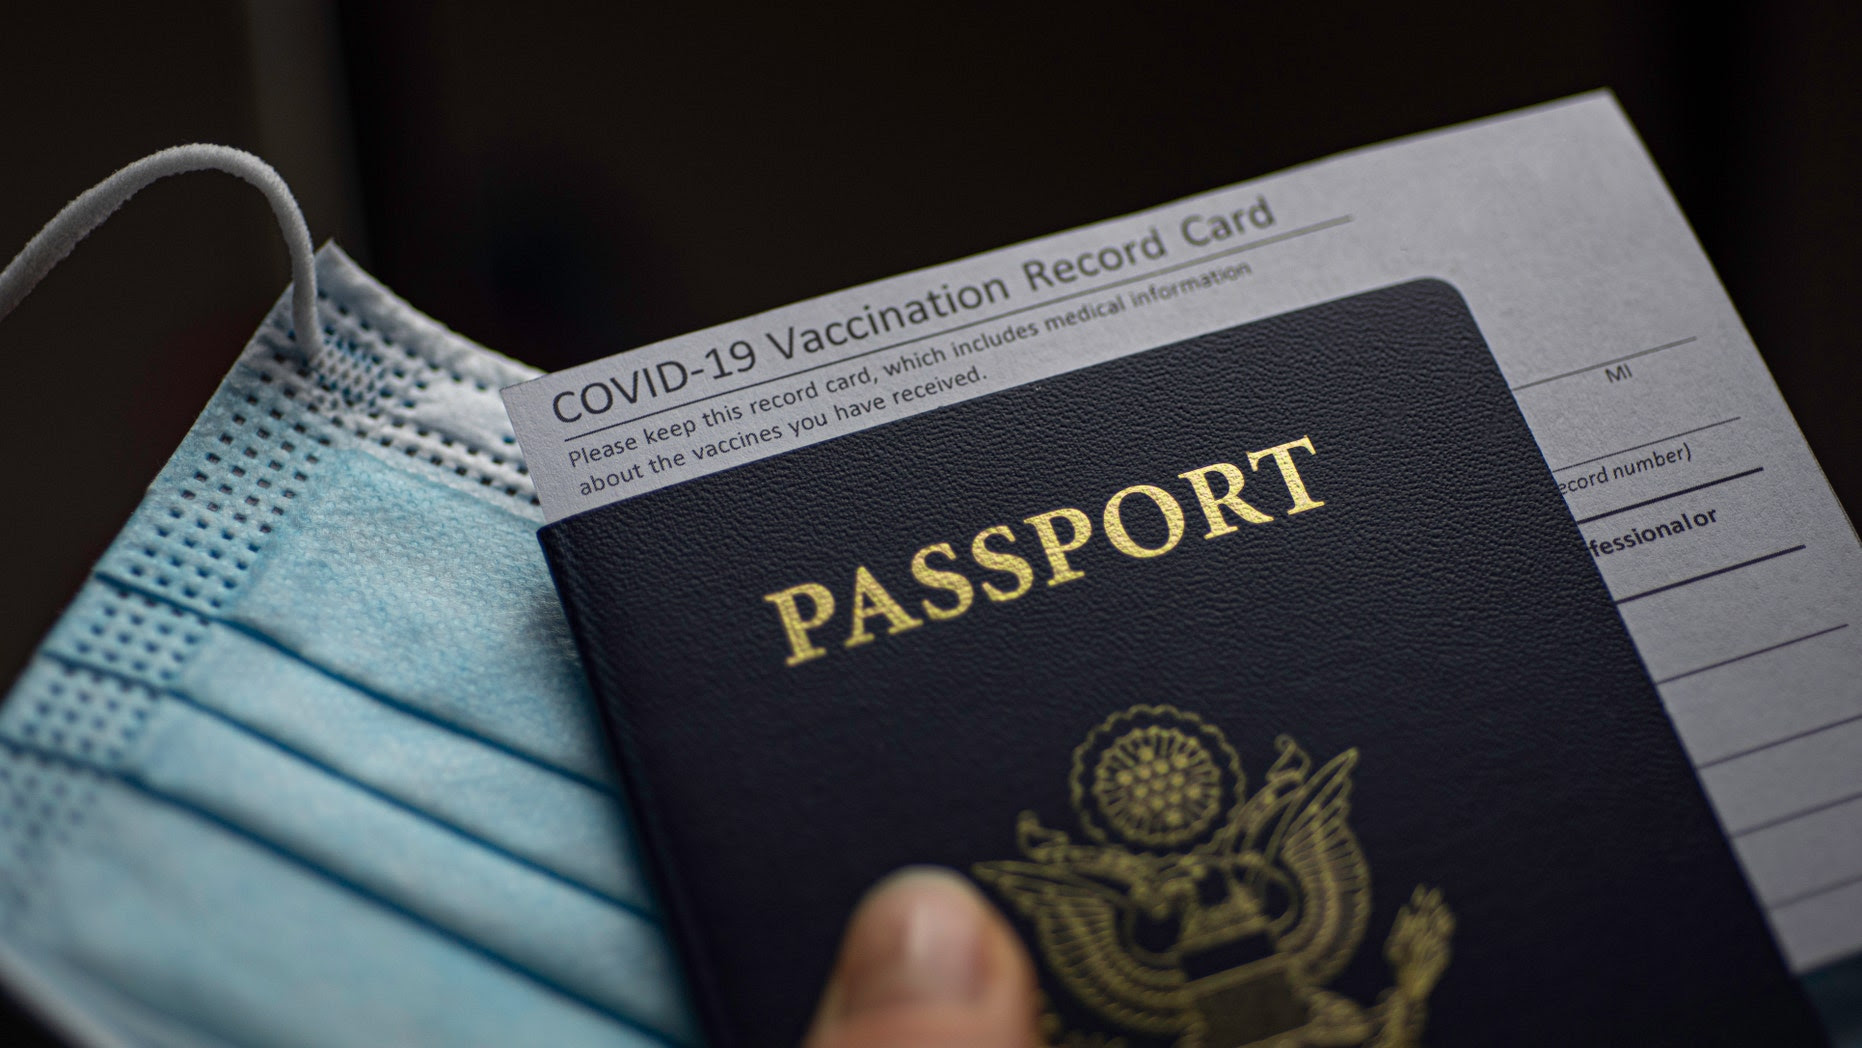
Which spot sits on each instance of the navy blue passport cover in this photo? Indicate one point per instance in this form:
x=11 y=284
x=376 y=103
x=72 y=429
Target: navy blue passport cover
x=1385 y=770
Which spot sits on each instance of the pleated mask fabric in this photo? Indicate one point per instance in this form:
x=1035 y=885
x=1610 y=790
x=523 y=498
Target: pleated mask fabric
x=309 y=759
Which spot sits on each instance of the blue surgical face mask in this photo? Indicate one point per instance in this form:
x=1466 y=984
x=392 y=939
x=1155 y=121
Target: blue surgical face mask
x=309 y=759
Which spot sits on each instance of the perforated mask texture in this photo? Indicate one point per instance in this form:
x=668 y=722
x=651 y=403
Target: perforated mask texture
x=95 y=686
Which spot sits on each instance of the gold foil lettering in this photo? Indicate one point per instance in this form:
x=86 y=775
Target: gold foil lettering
x=1212 y=505
x=809 y=606
x=1082 y=529
x=870 y=599
x=933 y=578
x=1115 y=523
x=796 y=625
x=1007 y=563
x=1283 y=457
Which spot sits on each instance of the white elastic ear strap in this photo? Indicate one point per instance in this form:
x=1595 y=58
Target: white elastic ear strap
x=98 y=203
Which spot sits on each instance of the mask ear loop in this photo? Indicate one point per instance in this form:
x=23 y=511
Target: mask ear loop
x=90 y=209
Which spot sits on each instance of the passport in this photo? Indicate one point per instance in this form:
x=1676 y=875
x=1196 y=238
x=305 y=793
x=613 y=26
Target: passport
x=1261 y=679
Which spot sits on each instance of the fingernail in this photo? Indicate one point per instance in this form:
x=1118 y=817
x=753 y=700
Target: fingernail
x=916 y=940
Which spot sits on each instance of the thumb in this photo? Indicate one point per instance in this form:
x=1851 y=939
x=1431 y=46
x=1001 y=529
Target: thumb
x=927 y=963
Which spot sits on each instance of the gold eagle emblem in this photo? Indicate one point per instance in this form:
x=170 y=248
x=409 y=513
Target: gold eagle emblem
x=1198 y=912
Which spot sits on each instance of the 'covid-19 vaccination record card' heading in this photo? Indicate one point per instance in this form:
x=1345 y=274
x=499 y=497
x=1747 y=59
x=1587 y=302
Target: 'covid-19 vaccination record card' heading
x=1726 y=554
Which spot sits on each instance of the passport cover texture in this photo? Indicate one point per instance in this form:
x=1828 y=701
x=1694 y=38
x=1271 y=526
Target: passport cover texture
x=1262 y=680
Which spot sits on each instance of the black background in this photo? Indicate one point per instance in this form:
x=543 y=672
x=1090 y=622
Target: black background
x=1447 y=622
x=563 y=180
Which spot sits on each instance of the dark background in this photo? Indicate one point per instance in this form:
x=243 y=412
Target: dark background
x=563 y=181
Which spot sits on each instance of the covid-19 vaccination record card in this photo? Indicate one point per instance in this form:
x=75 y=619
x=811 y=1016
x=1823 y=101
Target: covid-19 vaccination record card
x=1732 y=564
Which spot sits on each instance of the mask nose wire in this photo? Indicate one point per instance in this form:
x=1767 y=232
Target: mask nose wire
x=96 y=204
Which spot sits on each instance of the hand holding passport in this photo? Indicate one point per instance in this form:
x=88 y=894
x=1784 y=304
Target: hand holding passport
x=1226 y=628
x=927 y=963
x=1335 y=777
